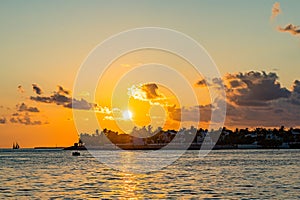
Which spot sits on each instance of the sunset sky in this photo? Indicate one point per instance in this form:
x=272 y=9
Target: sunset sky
x=255 y=44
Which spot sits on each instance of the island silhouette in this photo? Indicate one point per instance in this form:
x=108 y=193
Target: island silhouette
x=145 y=138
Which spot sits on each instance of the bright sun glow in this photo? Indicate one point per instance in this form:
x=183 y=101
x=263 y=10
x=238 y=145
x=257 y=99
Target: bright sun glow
x=127 y=114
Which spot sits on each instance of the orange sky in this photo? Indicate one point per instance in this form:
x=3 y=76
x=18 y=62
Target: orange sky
x=45 y=44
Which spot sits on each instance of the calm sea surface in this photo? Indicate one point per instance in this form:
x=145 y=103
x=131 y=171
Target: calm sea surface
x=227 y=174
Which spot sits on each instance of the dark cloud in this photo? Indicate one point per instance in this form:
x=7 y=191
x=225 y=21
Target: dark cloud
x=281 y=109
x=25 y=119
x=253 y=99
x=235 y=84
x=62 y=97
x=80 y=105
x=268 y=116
x=290 y=28
x=215 y=82
x=296 y=86
x=42 y=99
x=2 y=120
x=295 y=96
x=151 y=91
x=254 y=88
x=194 y=113
x=24 y=108
x=36 y=89
x=201 y=83
x=61 y=90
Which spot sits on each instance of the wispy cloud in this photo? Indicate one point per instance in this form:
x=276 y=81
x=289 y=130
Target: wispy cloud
x=25 y=120
x=24 y=108
x=110 y=118
x=275 y=10
x=21 y=89
x=2 y=120
x=290 y=28
x=201 y=83
x=26 y=115
x=103 y=110
x=62 y=97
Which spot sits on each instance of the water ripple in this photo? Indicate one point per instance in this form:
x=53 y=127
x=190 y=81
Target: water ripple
x=230 y=174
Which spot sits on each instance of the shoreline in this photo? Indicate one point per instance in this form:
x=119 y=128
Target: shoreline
x=163 y=147
x=137 y=149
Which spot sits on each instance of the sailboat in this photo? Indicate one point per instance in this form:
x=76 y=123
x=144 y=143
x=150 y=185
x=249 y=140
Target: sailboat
x=16 y=146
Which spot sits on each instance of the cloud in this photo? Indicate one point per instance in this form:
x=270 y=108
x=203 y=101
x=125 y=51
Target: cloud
x=145 y=92
x=23 y=107
x=253 y=88
x=36 y=89
x=296 y=86
x=276 y=113
x=201 y=83
x=25 y=119
x=2 y=120
x=275 y=10
x=194 y=113
x=215 y=82
x=21 y=89
x=295 y=95
x=253 y=99
x=110 y=118
x=113 y=114
x=236 y=84
x=151 y=90
x=61 y=90
x=290 y=28
x=24 y=115
x=62 y=97
x=79 y=104
x=103 y=110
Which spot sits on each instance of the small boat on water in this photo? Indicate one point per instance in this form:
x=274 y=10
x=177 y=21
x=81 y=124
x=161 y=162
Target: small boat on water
x=16 y=146
x=75 y=153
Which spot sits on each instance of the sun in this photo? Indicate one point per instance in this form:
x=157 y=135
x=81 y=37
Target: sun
x=127 y=114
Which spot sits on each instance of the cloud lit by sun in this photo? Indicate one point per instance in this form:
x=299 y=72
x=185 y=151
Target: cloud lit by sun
x=146 y=92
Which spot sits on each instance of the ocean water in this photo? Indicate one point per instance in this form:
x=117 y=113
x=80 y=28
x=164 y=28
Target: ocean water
x=226 y=174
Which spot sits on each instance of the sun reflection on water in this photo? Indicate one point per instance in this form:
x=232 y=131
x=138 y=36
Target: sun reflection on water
x=226 y=174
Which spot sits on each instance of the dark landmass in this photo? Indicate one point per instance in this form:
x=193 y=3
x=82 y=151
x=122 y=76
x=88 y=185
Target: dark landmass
x=49 y=148
x=192 y=139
